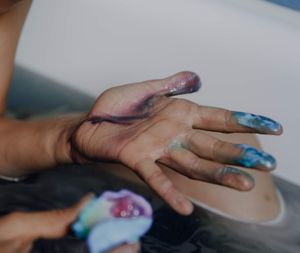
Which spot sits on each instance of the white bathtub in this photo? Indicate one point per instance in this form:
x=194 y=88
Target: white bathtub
x=246 y=52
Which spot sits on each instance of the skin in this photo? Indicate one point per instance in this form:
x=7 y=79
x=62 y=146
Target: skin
x=258 y=204
x=167 y=130
x=19 y=230
x=142 y=123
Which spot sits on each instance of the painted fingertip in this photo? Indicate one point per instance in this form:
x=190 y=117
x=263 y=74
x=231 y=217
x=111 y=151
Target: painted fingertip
x=258 y=123
x=253 y=158
x=183 y=83
x=237 y=179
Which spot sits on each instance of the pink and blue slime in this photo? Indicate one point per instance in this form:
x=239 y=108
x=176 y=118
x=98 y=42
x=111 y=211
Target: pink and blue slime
x=113 y=219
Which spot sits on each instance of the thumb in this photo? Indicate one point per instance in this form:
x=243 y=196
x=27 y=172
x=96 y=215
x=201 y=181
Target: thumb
x=55 y=223
x=180 y=83
x=131 y=100
x=46 y=224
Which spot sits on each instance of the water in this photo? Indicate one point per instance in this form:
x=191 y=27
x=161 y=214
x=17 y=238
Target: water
x=203 y=231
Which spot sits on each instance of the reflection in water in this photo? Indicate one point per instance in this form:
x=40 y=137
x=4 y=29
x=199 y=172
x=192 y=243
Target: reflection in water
x=203 y=231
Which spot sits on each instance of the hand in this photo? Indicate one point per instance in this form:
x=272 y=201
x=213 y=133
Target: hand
x=141 y=124
x=19 y=230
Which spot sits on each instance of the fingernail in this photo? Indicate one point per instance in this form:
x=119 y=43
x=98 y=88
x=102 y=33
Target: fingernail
x=254 y=158
x=245 y=182
x=183 y=83
x=257 y=122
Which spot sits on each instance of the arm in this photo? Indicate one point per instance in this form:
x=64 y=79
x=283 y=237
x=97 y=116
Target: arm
x=19 y=230
x=139 y=125
x=27 y=145
x=12 y=16
x=18 y=156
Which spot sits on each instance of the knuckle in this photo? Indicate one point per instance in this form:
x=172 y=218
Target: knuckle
x=155 y=176
x=190 y=136
x=165 y=192
x=192 y=175
x=217 y=147
x=194 y=167
x=227 y=119
x=219 y=175
x=182 y=104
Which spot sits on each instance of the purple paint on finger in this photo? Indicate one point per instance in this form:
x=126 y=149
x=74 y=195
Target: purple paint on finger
x=183 y=83
x=115 y=119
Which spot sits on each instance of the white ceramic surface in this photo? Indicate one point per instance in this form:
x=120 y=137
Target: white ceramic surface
x=246 y=52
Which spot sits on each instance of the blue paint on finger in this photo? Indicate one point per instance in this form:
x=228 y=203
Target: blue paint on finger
x=254 y=158
x=238 y=172
x=259 y=123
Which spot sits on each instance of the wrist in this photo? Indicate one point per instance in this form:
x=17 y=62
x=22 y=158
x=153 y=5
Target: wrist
x=65 y=147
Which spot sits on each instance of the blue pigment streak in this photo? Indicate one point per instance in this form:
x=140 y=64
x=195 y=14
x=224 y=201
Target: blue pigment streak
x=257 y=122
x=233 y=170
x=252 y=157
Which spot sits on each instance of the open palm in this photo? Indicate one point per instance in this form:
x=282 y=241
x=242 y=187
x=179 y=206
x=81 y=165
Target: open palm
x=141 y=124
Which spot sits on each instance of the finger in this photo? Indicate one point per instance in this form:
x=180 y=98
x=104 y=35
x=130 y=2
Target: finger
x=136 y=99
x=197 y=168
x=53 y=224
x=57 y=222
x=127 y=248
x=180 y=83
x=211 y=148
x=27 y=227
x=162 y=185
x=221 y=120
x=15 y=245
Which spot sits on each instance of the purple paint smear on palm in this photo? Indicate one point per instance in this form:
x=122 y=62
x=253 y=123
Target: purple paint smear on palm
x=186 y=82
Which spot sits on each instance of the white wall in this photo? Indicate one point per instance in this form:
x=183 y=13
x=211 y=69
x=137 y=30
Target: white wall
x=247 y=53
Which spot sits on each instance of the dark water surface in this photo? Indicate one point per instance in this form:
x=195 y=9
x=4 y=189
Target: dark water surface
x=203 y=231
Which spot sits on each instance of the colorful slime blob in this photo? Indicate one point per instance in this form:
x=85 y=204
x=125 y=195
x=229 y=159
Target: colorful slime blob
x=113 y=219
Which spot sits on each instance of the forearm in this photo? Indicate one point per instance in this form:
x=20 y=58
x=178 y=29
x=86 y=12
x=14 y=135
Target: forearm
x=12 y=17
x=28 y=146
